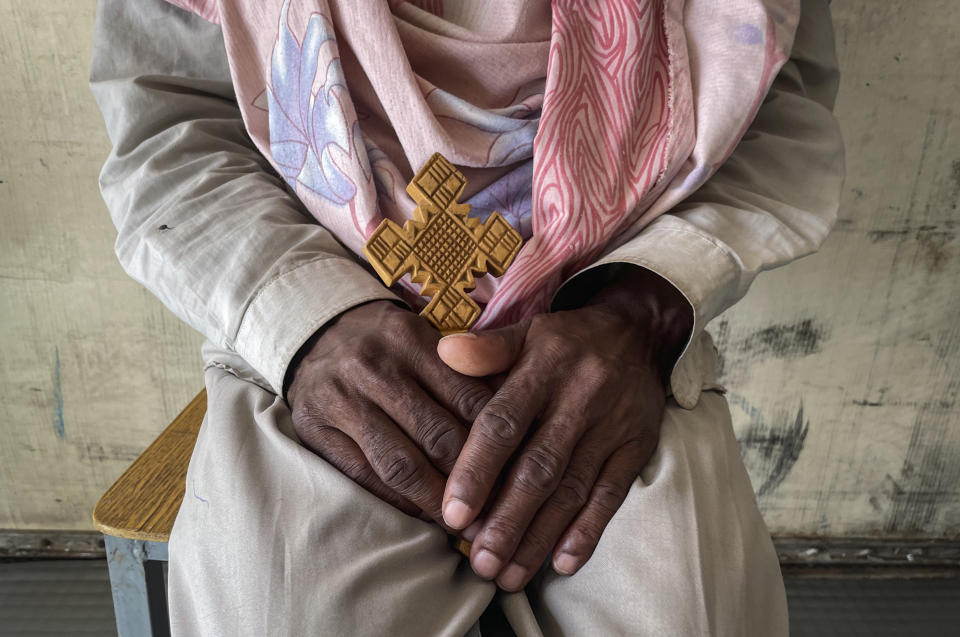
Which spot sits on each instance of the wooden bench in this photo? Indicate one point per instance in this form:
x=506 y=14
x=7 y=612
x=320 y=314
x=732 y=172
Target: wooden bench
x=136 y=516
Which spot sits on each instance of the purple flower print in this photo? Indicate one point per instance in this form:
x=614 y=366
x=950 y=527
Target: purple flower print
x=511 y=196
x=748 y=34
x=305 y=127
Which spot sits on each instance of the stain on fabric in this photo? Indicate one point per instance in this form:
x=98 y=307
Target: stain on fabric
x=197 y=495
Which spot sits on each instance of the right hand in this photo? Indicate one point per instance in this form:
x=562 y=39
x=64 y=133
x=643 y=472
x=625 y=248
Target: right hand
x=370 y=395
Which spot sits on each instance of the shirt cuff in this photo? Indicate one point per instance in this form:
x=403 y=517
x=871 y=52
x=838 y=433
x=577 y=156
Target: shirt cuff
x=705 y=271
x=291 y=307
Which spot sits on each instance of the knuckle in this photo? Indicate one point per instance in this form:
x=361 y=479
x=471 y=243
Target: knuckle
x=358 y=366
x=360 y=472
x=595 y=370
x=538 y=470
x=323 y=435
x=501 y=426
x=397 y=469
x=401 y=321
x=439 y=439
x=310 y=413
x=339 y=386
x=555 y=347
x=469 y=398
x=607 y=498
x=572 y=493
x=500 y=535
x=319 y=440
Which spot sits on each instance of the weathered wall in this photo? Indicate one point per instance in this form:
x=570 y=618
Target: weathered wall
x=842 y=368
x=92 y=366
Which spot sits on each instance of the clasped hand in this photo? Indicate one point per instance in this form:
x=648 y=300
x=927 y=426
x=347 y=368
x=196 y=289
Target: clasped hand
x=526 y=439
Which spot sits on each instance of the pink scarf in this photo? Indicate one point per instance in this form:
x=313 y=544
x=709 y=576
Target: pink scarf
x=581 y=122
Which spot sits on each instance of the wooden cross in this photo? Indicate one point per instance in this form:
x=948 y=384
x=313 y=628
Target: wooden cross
x=442 y=247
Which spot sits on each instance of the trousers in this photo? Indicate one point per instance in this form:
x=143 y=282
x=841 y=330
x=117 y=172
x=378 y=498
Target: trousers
x=273 y=540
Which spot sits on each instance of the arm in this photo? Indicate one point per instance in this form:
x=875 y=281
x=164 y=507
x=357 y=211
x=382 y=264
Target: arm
x=773 y=201
x=591 y=373
x=202 y=219
x=207 y=226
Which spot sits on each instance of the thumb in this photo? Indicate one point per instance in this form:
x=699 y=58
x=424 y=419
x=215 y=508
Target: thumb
x=483 y=353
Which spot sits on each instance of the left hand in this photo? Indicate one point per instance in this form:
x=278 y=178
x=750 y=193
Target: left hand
x=591 y=380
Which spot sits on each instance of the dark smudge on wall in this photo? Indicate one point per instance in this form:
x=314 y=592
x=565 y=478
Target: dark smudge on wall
x=770 y=447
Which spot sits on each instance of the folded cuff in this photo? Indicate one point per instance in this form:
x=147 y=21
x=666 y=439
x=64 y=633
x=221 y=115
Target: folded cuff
x=705 y=271
x=289 y=309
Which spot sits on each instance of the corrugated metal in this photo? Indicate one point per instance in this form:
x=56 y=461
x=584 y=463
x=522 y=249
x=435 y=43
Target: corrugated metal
x=55 y=598
x=874 y=608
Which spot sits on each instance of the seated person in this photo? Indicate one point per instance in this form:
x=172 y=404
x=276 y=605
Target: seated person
x=654 y=155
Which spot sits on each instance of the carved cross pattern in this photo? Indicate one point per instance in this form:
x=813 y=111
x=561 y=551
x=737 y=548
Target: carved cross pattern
x=442 y=247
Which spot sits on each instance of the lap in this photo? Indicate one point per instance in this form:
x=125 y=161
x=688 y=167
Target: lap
x=271 y=539
x=687 y=553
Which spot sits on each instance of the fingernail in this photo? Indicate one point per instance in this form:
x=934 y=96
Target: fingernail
x=565 y=564
x=470 y=533
x=512 y=576
x=486 y=564
x=458 y=335
x=456 y=514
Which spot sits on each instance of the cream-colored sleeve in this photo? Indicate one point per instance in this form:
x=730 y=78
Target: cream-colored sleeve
x=202 y=219
x=774 y=200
